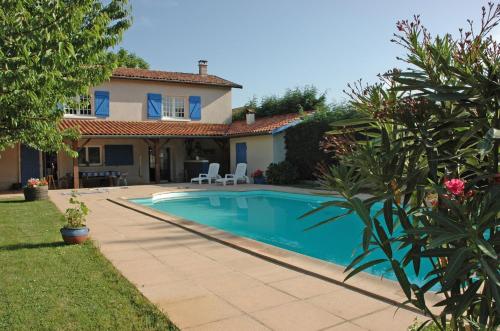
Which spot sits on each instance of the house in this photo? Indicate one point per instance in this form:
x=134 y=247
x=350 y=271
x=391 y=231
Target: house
x=260 y=142
x=155 y=126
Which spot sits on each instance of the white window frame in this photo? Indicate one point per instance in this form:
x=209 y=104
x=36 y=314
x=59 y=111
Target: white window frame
x=169 y=108
x=87 y=164
x=81 y=108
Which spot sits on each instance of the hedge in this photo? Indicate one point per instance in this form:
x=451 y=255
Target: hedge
x=302 y=147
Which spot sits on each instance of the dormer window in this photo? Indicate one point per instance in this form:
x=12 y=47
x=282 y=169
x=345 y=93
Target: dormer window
x=81 y=106
x=174 y=107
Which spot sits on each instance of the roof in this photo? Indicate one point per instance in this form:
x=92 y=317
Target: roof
x=264 y=125
x=96 y=127
x=101 y=127
x=170 y=76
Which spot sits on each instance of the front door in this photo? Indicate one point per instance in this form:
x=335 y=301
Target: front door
x=30 y=163
x=241 y=153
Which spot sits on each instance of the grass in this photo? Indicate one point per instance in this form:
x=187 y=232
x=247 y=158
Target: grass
x=46 y=285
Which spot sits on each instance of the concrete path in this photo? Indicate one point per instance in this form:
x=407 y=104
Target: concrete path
x=204 y=285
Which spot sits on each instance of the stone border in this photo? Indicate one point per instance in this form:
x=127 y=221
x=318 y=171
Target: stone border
x=364 y=283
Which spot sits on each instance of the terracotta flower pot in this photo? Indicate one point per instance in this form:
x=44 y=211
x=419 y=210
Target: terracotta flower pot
x=75 y=236
x=36 y=193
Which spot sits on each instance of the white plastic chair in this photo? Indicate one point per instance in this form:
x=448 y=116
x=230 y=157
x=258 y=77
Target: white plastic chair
x=239 y=175
x=213 y=174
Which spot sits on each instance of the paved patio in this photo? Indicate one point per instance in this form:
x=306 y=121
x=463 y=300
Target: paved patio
x=204 y=285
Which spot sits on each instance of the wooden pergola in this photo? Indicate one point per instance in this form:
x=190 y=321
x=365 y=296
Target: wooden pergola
x=156 y=145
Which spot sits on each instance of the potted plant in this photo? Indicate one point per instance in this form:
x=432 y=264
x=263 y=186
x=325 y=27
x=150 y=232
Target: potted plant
x=36 y=189
x=258 y=177
x=75 y=231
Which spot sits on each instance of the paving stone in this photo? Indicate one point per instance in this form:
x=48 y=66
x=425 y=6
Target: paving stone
x=256 y=298
x=304 y=287
x=198 y=311
x=239 y=323
x=296 y=315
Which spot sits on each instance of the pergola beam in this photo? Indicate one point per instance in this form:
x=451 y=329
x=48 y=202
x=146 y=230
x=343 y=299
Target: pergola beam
x=76 y=171
x=157 y=160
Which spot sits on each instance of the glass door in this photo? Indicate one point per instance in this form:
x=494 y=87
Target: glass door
x=164 y=164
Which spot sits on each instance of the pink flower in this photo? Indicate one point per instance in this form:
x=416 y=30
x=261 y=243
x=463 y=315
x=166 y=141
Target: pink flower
x=455 y=186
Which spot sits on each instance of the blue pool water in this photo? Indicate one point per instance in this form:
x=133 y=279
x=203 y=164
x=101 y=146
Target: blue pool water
x=273 y=218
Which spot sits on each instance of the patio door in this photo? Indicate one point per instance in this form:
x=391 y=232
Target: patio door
x=164 y=164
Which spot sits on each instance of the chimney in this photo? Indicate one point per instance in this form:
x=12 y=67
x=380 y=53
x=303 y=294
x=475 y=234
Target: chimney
x=202 y=67
x=250 y=117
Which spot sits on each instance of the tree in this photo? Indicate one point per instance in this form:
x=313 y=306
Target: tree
x=430 y=162
x=293 y=101
x=52 y=51
x=123 y=58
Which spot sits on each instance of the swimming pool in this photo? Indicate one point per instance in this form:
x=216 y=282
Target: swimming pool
x=272 y=217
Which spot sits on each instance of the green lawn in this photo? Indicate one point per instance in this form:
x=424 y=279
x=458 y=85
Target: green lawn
x=46 y=285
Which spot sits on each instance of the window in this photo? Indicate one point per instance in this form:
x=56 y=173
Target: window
x=80 y=106
x=116 y=155
x=90 y=156
x=174 y=107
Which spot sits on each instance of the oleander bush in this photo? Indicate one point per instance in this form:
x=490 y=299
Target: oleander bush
x=430 y=157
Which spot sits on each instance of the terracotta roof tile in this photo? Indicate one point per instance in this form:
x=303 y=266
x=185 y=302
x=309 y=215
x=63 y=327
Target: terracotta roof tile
x=93 y=127
x=100 y=127
x=170 y=76
x=264 y=125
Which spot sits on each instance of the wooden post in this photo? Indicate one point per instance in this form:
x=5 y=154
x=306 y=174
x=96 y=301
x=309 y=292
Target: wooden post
x=157 y=160
x=76 y=174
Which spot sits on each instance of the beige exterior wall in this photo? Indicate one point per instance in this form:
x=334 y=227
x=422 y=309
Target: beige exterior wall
x=138 y=173
x=9 y=168
x=261 y=151
x=128 y=99
x=279 y=147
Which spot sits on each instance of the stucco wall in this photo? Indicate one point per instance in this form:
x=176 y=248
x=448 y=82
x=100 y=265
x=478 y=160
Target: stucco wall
x=128 y=99
x=259 y=152
x=139 y=172
x=279 y=148
x=9 y=167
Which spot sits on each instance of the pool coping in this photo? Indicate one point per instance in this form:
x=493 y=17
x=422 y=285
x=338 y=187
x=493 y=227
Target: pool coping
x=378 y=288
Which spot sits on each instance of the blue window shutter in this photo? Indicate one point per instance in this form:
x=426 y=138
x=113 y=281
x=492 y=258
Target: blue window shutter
x=154 y=106
x=101 y=103
x=195 y=108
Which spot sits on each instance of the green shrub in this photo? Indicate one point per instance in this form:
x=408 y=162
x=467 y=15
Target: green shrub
x=303 y=140
x=283 y=173
x=302 y=147
x=431 y=157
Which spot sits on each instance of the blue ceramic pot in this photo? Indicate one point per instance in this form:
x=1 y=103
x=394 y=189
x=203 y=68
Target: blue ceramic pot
x=75 y=236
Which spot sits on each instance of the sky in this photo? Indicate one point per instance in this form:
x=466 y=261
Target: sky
x=269 y=46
